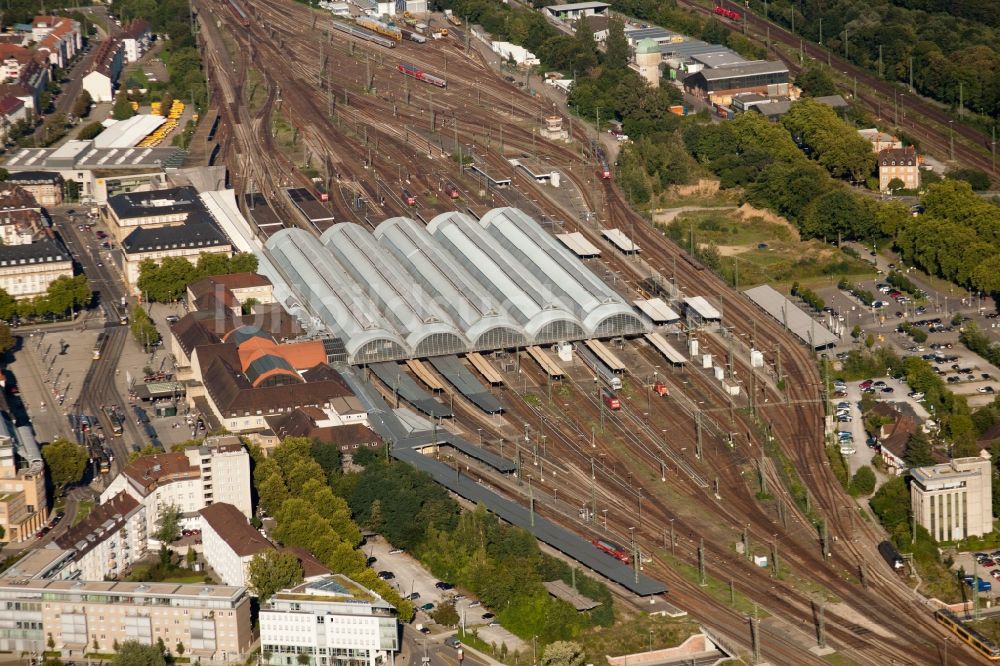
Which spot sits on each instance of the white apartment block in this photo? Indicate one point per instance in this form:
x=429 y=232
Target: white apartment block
x=229 y=542
x=216 y=471
x=107 y=541
x=954 y=500
x=332 y=621
x=212 y=621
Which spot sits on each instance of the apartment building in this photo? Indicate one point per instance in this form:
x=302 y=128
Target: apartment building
x=229 y=542
x=329 y=621
x=216 y=471
x=136 y=39
x=27 y=270
x=45 y=186
x=212 y=621
x=107 y=542
x=954 y=500
x=899 y=164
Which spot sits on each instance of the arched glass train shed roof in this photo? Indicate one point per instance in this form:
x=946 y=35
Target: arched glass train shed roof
x=454 y=286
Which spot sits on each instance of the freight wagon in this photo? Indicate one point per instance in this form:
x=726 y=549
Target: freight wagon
x=421 y=75
x=381 y=27
x=413 y=36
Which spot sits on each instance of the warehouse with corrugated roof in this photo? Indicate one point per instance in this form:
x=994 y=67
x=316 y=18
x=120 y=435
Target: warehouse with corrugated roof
x=454 y=286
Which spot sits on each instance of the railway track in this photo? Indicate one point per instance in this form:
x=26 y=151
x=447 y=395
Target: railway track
x=933 y=130
x=290 y=65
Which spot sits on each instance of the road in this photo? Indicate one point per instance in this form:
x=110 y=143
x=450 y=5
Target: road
x=98 y=388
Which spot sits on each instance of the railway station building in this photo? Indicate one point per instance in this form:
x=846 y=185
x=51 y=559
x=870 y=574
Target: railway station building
x=454 y=286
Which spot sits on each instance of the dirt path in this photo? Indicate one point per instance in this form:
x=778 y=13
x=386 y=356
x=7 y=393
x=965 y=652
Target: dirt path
x=667 y=215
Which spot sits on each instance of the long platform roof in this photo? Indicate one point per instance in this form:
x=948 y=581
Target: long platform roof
x=454 y=286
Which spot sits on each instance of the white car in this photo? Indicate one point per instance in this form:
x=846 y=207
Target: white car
x=917 y=395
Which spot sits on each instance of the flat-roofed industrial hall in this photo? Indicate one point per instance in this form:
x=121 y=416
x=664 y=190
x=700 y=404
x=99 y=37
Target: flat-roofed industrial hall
x=457 y=285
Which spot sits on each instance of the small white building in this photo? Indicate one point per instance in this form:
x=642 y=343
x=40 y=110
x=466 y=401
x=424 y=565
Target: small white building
x=518 y=54
x=332 y=621
x=577 y=10
x=101 y=81
x=136 y=39
x=229 y=542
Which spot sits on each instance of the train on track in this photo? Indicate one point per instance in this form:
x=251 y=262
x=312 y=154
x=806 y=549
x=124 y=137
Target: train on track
x=362 y=33
x=730 y=14
x=381 y=27
x=891 y=555
x=598 y=366
x=973 y=638
x=409 y=199
x=421 y=75
x=321 y=192
x=602 y=160
x=413 y=36
x=611 y=400
x=239 y=13
x=451 y=191
x=612 y=549
x=660 y=389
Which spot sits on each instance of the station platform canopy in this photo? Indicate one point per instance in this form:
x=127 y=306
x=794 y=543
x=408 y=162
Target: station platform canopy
x=792 y=317
x=579 y=245
x=658 y=311
x=620 y=240
x=701 y=307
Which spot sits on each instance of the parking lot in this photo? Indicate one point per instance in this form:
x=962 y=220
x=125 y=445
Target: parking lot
x=985 y=565
x=410 y=577
x=848 y=418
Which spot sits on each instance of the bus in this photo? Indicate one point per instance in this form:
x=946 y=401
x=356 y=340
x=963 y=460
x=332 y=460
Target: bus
x=99 y=344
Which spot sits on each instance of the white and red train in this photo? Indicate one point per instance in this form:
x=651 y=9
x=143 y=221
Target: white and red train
x=421 y=75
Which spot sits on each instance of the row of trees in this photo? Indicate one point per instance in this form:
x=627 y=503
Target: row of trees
x=832 y=141
x=291 y=486
x=167 y=282
x=957 y=237
x=64 y=296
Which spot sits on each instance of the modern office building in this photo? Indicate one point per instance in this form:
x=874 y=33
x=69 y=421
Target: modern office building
x=332 y=621
x=954 y=500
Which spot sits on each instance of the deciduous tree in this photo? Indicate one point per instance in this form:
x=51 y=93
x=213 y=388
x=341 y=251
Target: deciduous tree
x=563 y=653
x=66 y=462
x=272 y=570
